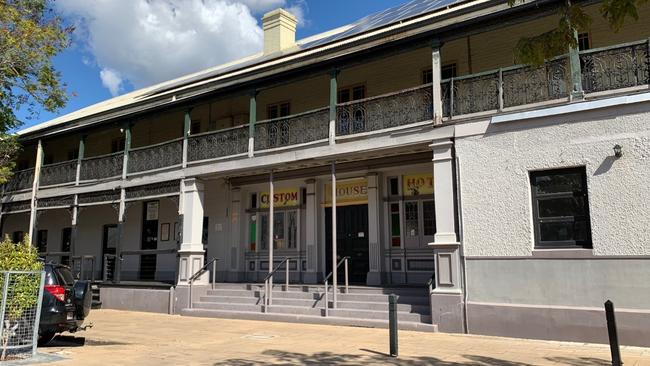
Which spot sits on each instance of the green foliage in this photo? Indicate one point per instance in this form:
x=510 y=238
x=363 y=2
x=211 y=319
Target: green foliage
x=30 y=36
x=23 y=288
x=572 y=20
x=19 y=257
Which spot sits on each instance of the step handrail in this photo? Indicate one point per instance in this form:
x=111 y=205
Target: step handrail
x=268 y=290
x=326 y=281
x=198 y=274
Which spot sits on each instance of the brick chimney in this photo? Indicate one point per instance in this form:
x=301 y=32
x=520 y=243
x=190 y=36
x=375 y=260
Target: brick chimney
x=279 y=31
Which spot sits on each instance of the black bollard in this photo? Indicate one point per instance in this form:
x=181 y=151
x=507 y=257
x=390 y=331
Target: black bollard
x=392 y=324
x=613 y=334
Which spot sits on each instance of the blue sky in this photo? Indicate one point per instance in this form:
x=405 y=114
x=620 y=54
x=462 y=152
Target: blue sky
x=83 y=62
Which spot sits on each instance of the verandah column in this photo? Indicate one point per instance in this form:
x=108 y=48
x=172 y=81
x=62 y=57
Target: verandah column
x=333 y=101
x=75 y=206
x=271 y=234
x=191 y=250
x=576 y=72
x=334 y=239
x=446 y=298
x=311 y=234
x=121 y=211
x=187 y=122
x=252 y=118
x=436 y=77
x=374 y=234
x=235 y=238
x=33 y=204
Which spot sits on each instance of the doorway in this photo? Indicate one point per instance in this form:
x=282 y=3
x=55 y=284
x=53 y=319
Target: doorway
x=149 y=240
x=351 y=240
x=109 y=245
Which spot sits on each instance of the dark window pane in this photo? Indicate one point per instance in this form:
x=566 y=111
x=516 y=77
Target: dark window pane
x=429 y=216
x=559 y=207
x=195 y=127
x=284 y=110
x=427 y=76
x=272 y=112
x=394 y=186
x=563 y=231
x=344 y=95
x=358 y=92
x=558 y=183
x=448 y=71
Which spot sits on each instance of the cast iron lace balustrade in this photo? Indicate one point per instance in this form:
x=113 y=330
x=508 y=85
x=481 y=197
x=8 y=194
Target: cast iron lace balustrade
x=616 y=67
x=61 y=201
x=527 y=85
x=216 y=144
x=296 y=129
x=20 y=180
x=163 y=155
x=470 y=94
x=99 y=197
x=154 y=190
x=102 y=167
x=385 y=111
x=17 y=206
x=59 y=173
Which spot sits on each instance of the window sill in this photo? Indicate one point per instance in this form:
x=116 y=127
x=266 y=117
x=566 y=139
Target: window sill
x=563 y=253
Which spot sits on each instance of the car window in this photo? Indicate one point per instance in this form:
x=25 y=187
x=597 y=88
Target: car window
x=65 y=275
x=50 y=277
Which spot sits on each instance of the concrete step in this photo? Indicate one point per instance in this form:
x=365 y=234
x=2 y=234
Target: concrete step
x=227 y=306
x=381 y=306
x=297 y=310
x=307 y=319
x=379 y=298
x=231 y=299
x=379 y=315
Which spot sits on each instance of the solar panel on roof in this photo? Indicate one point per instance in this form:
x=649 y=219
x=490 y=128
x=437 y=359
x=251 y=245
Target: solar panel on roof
x=370 y=22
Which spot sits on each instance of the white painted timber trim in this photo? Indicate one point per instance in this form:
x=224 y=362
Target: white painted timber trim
x=572 y=108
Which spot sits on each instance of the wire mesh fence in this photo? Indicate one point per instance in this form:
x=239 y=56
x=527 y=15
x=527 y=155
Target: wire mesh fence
x=22 y=295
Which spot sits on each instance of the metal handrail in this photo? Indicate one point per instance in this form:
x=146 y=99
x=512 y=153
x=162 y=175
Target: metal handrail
x=268 y=288
x=198 y=274
x=431 y=283
x=343 y=260
x=83 y=259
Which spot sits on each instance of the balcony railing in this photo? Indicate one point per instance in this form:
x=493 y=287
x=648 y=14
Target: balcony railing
x=216 y=144
x=153 y=157
x=296 y=129
x=21 y=180
x=58 y=173
x=508 y=87
x=102 y=167
x=385 y=111
x=616 y=67
x=605 y=69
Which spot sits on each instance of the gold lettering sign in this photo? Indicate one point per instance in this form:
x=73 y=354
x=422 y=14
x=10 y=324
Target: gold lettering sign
x=349 y=192
x=281 y=198
x=417 y=184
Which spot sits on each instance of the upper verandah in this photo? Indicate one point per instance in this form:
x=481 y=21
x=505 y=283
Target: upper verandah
x=392 y=24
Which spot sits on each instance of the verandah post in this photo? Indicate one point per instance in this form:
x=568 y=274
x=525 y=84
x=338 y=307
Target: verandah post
x=576 y=73
x=436 y=78
x=33 y=204
x=333 y=101
x=252 y=118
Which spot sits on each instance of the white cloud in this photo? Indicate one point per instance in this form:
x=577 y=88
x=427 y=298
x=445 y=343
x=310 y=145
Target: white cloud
x=144 y=42
x=112 y=80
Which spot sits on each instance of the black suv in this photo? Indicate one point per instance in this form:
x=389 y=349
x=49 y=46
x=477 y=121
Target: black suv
x=66 y=303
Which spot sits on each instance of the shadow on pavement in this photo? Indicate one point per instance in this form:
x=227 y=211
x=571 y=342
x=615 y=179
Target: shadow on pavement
x=375 y=357
x=72 y=341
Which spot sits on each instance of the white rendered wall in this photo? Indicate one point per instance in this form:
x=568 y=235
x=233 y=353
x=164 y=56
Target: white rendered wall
x=91 y=221
x=495 y=188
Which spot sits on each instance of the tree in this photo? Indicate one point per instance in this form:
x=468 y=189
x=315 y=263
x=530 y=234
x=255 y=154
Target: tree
x=30 y=36
x=573 y=19
x=24 y=287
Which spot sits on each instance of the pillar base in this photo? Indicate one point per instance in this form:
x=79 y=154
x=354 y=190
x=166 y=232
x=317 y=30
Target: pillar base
x=447 y=311
x=189 y=263
x=373 y=279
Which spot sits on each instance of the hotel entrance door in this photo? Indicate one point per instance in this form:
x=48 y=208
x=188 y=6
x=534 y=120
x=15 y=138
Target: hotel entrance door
x=352 y=241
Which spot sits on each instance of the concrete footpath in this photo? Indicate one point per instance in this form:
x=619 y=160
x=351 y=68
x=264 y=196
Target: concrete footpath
x=131 y=338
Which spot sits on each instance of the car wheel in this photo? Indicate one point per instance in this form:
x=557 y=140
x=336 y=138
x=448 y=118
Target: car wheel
x=45 y=338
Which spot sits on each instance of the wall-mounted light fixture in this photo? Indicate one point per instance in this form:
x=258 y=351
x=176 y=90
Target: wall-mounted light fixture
x=618 y=151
